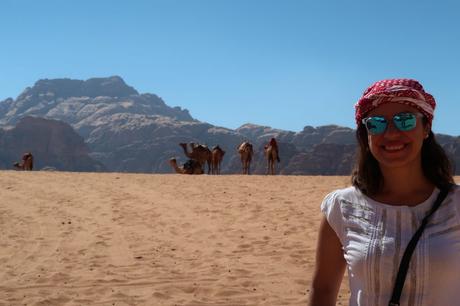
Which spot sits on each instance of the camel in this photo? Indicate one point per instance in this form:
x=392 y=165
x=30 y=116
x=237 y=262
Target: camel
x=26 y=164
x=271 y=153
x=246 y=152
x=217 y=155
x=200 y=153
x=190 y=167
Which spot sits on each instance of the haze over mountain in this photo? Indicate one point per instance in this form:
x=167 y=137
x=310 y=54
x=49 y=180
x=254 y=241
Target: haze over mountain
x=131 y=132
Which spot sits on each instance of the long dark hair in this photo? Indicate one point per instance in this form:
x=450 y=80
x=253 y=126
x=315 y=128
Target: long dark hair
x=367 y=177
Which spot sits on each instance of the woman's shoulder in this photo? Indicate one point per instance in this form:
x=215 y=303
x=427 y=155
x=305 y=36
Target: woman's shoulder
x=455 y=188
x=335 y=206
x=454 y=194
x=335 y=199
x=348 y=193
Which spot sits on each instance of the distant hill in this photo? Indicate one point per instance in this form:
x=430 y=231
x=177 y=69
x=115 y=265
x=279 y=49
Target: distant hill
x=131 y=132
x=54 y=145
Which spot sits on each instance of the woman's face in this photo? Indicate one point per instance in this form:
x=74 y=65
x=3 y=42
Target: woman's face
x=394 y=148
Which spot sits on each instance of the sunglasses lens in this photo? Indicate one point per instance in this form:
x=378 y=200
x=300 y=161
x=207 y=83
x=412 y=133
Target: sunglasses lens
x=376 y=125
x=405 y=121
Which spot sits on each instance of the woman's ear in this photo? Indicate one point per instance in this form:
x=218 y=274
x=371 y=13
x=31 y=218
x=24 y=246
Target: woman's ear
x=427 y=130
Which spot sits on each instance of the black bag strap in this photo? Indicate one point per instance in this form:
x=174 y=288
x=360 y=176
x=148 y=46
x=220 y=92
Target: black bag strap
x=404 y=265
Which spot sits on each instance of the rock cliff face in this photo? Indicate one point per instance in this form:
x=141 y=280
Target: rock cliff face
x=131 y=132
x=54 y=144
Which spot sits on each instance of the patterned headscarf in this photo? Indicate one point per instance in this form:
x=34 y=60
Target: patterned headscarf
x=404 y=91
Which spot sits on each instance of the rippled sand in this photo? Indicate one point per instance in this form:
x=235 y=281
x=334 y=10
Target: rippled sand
x=140 y=239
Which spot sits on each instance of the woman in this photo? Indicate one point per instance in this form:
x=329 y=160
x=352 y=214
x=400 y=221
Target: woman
x=399 y=172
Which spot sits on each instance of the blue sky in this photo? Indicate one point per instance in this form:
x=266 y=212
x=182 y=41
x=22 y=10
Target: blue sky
x=285 y=64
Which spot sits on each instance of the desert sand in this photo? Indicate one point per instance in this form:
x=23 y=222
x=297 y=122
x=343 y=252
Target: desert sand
x=144 y=239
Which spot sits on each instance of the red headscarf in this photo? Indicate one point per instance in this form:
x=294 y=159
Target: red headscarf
x=405 y=91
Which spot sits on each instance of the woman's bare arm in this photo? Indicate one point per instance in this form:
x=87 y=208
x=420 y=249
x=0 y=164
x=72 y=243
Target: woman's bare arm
x=330 y=267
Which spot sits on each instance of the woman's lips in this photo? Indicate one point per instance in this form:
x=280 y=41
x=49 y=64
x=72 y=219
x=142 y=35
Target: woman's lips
x=394 y=147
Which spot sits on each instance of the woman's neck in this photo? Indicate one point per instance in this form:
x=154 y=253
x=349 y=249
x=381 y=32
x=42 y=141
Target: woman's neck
x=406 y=186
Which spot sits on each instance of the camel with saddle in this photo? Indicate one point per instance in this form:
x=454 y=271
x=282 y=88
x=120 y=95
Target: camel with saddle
x=26 y=164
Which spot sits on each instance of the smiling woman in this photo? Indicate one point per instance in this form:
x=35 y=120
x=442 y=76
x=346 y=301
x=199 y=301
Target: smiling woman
x=401 y=177
x=400 y=143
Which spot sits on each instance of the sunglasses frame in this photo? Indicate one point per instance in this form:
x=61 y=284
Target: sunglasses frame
x=416 y=115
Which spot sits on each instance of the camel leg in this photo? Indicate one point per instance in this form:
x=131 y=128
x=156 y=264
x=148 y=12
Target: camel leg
x=271 y=166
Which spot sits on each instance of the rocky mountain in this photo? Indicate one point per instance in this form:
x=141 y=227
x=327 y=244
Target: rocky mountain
x=54 y=144
x=131 y=132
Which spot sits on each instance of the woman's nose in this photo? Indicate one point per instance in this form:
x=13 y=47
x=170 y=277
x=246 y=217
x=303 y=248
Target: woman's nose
x=391 y=129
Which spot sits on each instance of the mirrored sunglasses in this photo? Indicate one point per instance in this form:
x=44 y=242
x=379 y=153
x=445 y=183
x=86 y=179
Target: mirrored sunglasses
x=404 y=122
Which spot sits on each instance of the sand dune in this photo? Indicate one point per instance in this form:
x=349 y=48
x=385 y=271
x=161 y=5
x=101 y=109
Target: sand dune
x=138 y=239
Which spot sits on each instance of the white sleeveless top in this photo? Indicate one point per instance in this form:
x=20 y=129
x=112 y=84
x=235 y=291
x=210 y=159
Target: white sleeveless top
x=374 y=236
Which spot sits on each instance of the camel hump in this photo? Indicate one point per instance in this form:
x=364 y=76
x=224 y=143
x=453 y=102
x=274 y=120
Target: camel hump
x=218 y=149
x=244 y=145
x=273 y=143
x=202 y=148
x=199 y=145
